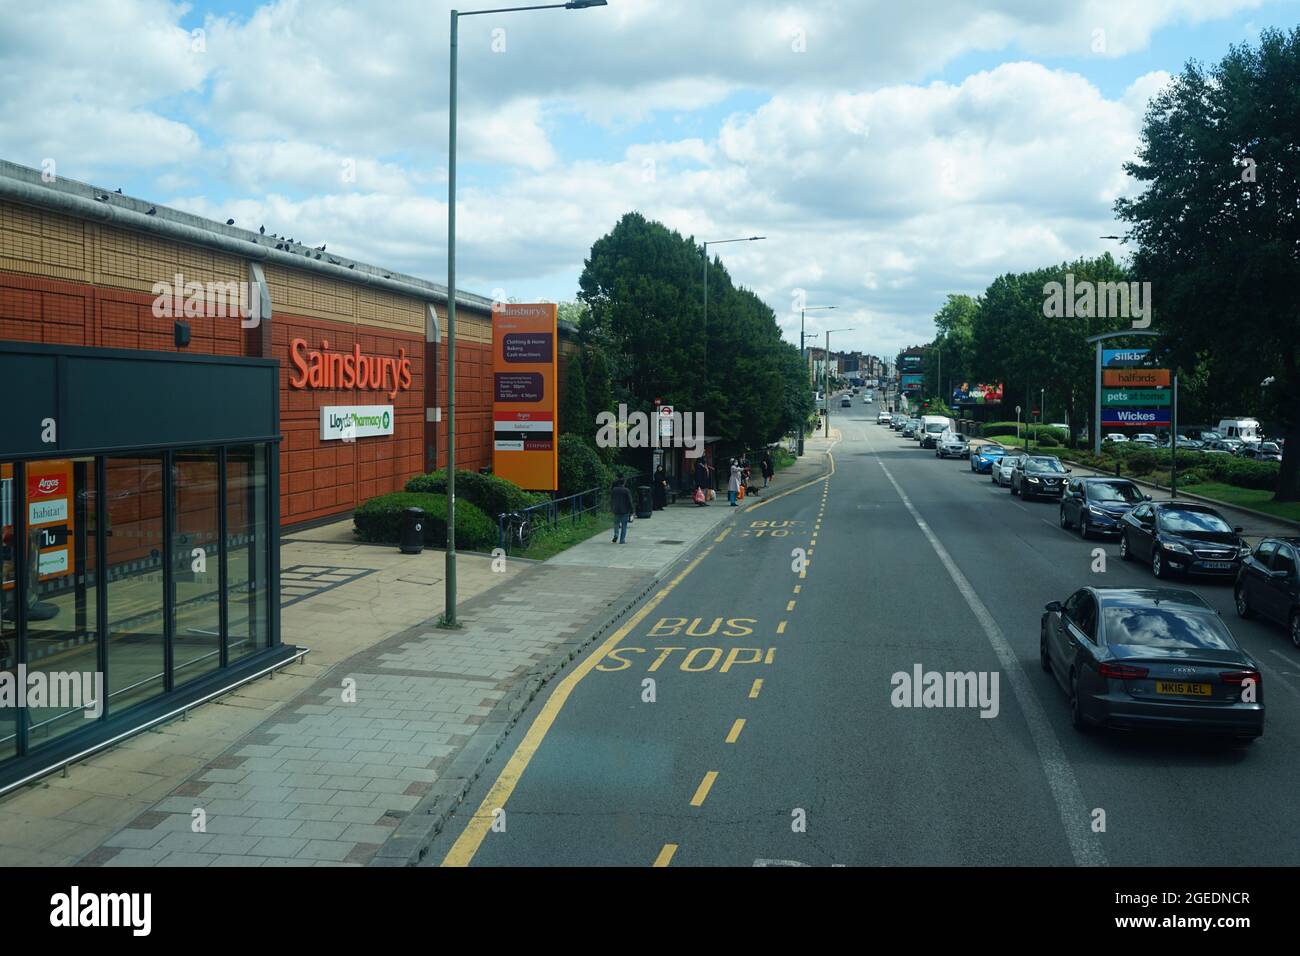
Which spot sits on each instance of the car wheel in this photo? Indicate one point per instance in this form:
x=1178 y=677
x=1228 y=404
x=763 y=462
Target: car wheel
x=1077 y=719
x=1295 y=628
x=1124 y=553
x=1157 y=563
x=1044 y=660
x=1065 y=522
x=1084 y=532
x=1244 y=610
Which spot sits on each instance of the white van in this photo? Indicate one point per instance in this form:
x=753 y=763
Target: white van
x=933 y=426
x=1243 y=429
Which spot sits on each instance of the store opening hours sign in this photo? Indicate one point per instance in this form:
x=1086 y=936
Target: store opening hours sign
x=525 y=394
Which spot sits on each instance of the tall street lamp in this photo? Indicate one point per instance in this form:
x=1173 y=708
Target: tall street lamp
x=826 y=377
x=715 y=242
x=803 y=356
x=449 y=614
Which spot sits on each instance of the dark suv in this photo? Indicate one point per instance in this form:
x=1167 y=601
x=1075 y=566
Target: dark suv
x=1039 y=476
x=1096 y=505
x=1268 y=584
x=1187 y=538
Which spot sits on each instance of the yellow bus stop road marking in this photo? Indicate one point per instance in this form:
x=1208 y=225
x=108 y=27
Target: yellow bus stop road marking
x=736 y=728
x=665 y=855
x=758 y=685
x=467 y=844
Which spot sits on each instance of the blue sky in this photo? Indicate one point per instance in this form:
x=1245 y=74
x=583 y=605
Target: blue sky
x=893 y=153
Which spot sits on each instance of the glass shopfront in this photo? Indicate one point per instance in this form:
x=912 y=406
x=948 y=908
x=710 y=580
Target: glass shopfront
x=133 y=578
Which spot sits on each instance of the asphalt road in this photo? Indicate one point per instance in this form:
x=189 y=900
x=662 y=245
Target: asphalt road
x=770 y=732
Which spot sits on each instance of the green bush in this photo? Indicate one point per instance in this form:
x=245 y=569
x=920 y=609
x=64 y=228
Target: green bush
x=1045 y=440
x=379 y=520
x=490 y=494
x=580 y=467
x=1141 y=462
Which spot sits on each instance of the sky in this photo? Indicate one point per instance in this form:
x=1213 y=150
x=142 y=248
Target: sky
x=892 y=153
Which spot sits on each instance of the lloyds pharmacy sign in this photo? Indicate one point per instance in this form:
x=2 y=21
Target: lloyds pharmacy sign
x=350 y=422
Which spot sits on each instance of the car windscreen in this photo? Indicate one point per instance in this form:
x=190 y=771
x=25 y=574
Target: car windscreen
x=1271 y=448
x=1160 y=627
x=1105 y=491
x=992 y=451
x=1047 y=466
x=1186 y=520
x=934 y=427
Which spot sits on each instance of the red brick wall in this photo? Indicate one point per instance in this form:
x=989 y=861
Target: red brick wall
x=321 y=478
x=473 y=405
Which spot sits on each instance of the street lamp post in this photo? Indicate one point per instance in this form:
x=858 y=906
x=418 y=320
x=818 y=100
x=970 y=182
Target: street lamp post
x=803 y=337
x=826 y=377
x=449 y=613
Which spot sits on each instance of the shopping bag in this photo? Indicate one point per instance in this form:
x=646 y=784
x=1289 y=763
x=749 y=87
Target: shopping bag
x=699 y=496
x=712 y=494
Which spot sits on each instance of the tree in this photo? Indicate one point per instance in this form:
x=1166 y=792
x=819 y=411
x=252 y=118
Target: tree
x=575 y=417
x=1217 y=227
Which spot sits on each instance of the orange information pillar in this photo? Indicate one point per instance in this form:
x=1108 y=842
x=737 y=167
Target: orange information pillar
x=525 y=395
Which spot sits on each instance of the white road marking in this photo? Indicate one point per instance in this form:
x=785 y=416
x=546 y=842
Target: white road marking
x=1056 y=766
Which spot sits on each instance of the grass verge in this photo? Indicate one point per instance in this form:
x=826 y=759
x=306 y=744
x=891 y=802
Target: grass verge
x=566 y=535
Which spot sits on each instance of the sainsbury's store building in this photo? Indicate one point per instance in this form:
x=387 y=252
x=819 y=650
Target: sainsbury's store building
x=176 y=390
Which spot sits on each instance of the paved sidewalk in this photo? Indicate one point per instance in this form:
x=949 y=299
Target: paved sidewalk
x=357 y=755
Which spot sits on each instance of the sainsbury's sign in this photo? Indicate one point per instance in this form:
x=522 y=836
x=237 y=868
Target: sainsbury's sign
x=323 y=369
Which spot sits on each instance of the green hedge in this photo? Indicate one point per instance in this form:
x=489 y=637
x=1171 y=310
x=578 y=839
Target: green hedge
x=580 y=467
x=379 y=520
x=1192 y=467
x=1036 y=432
x=490 y=494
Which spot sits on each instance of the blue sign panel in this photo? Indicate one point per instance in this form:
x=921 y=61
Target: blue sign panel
x=1123 y=358
x=1135 y=417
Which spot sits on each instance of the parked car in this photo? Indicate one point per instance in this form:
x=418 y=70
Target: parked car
x=952 y=443
x=984 y=457
x=1114 y=438
x=1181 y=538
x=882 y=417
x=1096 y=505
x=909 y=428
x=1005 y=467
x=1038 y=476
x=1268 y=584
x=1265 y=451
x=918 y=428
x=1150 y=658
x=1228 y=445
x=1144 y=441
x=899 y=422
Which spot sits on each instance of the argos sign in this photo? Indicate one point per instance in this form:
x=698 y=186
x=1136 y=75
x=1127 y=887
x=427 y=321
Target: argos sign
x=321 y=368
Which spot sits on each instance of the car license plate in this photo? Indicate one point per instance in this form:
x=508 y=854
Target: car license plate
x=1217 y=565
x=1182 y=689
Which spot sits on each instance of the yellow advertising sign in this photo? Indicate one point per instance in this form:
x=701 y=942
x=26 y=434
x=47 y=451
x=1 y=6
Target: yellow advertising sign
x=525 y=395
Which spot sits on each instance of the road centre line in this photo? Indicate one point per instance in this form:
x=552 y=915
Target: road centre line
x=736 y=728
x=1060 y=776
x=479 y=825
x=702 y=791
x=665 y=855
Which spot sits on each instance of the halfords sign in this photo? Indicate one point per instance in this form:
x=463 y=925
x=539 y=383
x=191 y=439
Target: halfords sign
x=350 y=422
x=321 y=368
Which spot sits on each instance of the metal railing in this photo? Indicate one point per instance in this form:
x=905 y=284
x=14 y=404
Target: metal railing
x=551 y=515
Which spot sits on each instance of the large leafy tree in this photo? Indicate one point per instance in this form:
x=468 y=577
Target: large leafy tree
x=643 y=284
x=1015 y=343
x=1217 y=228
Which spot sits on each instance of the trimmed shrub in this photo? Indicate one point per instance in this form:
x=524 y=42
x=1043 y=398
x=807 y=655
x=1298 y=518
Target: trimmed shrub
x=490 y=494
x=379 y=520
x=580 y=467
x=1141 y=462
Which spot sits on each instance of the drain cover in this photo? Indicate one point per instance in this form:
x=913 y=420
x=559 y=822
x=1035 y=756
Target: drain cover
x=672 y=542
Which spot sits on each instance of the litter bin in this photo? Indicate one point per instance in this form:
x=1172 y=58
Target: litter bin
x=644 y=502
x=412 y=538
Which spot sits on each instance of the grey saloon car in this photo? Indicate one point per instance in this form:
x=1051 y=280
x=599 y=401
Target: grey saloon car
x=1150 y=658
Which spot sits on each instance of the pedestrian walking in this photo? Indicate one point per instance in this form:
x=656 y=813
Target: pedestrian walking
x=767 y=469
x=702 y=482
x=733 y=483
x=620 y=502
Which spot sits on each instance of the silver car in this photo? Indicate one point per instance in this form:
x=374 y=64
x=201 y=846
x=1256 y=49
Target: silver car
x=952 y=443
x=1003 y=467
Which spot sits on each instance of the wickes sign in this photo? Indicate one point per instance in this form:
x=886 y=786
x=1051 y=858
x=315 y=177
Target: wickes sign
x=321 y=368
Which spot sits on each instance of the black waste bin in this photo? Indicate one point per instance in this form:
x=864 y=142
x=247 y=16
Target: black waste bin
x=645 y=502
x=412 y=539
